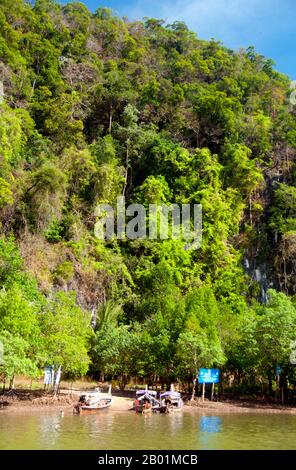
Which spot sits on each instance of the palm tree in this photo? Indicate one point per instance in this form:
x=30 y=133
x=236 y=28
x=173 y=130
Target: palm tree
x=107 y=313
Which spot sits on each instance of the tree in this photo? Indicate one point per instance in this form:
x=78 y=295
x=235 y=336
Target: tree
x=20 y=334
x=240 y=171
x=107 y=314
x=242 y=349
x=66 y=334
x=114 y=352
x=15 y=359
x=117 y=90
x=193 y=352
x=275 y=334
x=44 y=195
x=199 y=344
x=10 y=261
x=282 y=223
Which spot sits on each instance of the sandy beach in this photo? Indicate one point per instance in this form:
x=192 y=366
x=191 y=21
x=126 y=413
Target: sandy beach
x=63 y=402
x=123 y=402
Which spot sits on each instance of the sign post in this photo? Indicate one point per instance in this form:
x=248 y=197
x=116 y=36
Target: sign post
x=48 y=377
x=208 y=376
x=278 y=371
x=57 y=380
x=203 y=391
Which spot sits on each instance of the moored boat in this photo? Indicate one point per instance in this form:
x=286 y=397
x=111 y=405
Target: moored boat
x=95 y=408
x=170 y=401
x=146 y=401
x=93 y=402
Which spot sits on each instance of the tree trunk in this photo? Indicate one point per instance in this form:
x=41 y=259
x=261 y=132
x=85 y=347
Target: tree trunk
x=283 y=387
x=33 y=87
x=203 y=391
x=212 y=391
x=193 y=388
x=250 y=209
x=270 y=385
x=11 y=383
x=110 y=119
x=126 y=170
x=285 y=267
x=122 y=385
x=221 y=385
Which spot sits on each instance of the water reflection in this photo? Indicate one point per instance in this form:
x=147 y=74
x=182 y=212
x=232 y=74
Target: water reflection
x=128 y=430
x=210 y=424
x=210 y=428
x=94 y=422
x=49 y=426
x=175 y=422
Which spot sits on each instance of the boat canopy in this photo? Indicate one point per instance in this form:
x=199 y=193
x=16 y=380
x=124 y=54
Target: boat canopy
x=146 y=392
x=172 y=395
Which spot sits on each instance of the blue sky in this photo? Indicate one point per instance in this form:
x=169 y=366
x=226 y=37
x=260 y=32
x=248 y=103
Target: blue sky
x=269 y=25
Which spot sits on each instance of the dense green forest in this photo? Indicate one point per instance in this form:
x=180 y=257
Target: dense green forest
x=95 y=106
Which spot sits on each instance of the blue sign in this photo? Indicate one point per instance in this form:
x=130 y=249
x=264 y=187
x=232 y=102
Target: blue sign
x=208 y=376
x=278 y=370
x=48 y=375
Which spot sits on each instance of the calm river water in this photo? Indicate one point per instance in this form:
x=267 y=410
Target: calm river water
x=126 y=430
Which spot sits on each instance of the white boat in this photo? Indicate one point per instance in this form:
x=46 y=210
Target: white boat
x=170 y=401
x=146 y=401
x=93 y=402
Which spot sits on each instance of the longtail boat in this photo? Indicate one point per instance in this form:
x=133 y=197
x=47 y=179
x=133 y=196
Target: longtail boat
x=146 y=401
x=93 y=402
x=170 y=401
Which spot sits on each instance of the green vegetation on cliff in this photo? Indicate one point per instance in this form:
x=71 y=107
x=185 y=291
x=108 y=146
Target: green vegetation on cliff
x=95 y=107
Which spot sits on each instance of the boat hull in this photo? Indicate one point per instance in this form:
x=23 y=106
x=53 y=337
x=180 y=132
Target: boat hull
x=92 y=411
x=95 y=409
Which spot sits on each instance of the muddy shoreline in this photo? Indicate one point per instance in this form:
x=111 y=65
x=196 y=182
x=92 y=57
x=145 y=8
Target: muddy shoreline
x=27 y=401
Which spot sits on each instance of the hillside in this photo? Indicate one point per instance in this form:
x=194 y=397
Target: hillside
x=94 y=107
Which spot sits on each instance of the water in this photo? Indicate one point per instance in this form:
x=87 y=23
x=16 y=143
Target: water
x=126 y=430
